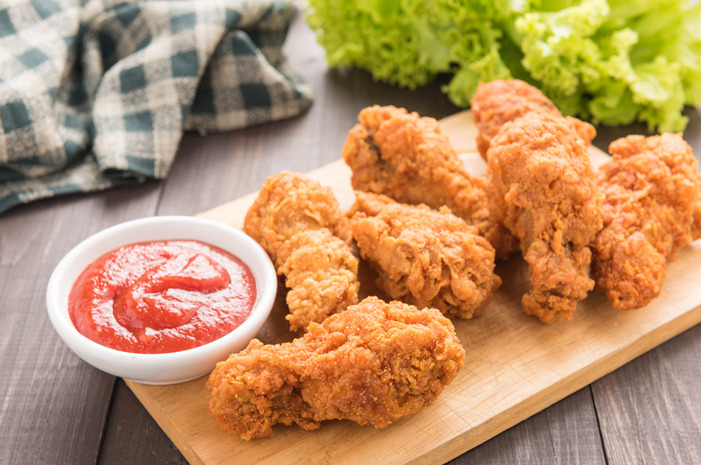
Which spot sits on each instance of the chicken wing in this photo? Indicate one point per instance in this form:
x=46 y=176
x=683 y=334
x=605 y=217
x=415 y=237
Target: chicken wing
x=425 y=257
x=408 y=158
x=374 y=364
x=301 y=226
x=651 y=188
x=498 y=102
x=541 y=186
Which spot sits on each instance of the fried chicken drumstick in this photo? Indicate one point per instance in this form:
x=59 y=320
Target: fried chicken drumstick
x=495 y=103
x=425 y=257
x=408 y=158
x=651 y=188
x=301 y=226
x=542 y=188
x=374 y=364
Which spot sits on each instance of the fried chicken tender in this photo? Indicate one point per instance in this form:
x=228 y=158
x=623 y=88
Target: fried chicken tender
x=542 y=188
x=408 y=158
x=651 y=188
x=374 y=364
x=302 y=227
x=498 y=102
x=425 y=257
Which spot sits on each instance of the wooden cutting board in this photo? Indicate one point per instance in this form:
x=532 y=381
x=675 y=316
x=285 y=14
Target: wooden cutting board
x=515 y=365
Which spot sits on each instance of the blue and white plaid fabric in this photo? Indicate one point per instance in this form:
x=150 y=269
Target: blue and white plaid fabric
x=98 y=93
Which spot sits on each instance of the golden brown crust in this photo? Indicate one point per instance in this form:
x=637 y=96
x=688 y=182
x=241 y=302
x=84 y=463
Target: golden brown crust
x=301 y=226
x=542 y=188
x=696 y=225
x=373 y=364
x=408 y=158
x=425 y=257
x=495 y=103
x=651 y=188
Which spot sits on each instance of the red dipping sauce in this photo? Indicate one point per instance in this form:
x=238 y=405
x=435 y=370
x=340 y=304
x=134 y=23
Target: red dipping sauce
x=163 y=296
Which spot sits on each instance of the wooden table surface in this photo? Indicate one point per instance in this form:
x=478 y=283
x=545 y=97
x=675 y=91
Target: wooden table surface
x=56 y=409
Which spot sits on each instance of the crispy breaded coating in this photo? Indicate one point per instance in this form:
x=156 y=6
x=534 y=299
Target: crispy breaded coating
x=408 y=158
x=374 y=364
x=425 y=257
x=498 y=102
x=542 y=188
x=651 y=188
x=301 y=226
x=696 y=225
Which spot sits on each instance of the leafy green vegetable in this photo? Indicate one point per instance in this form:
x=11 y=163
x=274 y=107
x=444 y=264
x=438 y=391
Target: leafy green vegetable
x=609 y=61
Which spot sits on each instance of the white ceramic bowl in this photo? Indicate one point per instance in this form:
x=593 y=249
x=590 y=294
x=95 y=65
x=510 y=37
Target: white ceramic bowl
x=167 y=368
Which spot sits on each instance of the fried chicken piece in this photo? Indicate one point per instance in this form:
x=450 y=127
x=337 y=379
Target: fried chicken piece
x=374 y=364
x=498 y=102
x=408 y=158
x=542 y=188
x=696 y=225
x=425 y=257
x=302 y=227
x=651 y=188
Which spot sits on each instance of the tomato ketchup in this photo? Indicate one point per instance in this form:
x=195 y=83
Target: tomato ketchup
x=162 y=296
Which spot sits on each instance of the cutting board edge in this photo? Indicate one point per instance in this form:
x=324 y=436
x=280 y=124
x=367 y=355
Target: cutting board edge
x=493 y=426
x=559 y=390
x=461 y=441
x=160 y=416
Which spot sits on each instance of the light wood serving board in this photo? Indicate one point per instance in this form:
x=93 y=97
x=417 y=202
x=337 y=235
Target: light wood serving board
x=515 y=366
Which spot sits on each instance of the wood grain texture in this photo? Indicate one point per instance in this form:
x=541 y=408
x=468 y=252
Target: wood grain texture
x=55 y=409
x=515 y=368
x=567 y=433
x=666 y=380
x=129 y=445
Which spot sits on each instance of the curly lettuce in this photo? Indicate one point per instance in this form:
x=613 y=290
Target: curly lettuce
x=612 y=62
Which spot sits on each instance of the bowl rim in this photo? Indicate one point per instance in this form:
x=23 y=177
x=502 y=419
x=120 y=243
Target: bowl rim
x=266 y=287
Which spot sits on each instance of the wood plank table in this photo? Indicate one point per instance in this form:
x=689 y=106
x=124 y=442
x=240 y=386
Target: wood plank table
x=55 y=409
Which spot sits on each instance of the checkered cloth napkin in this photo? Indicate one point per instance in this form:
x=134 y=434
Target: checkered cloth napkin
x=98 y=93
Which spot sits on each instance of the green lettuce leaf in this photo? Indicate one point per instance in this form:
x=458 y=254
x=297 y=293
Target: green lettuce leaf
x=609 y=61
